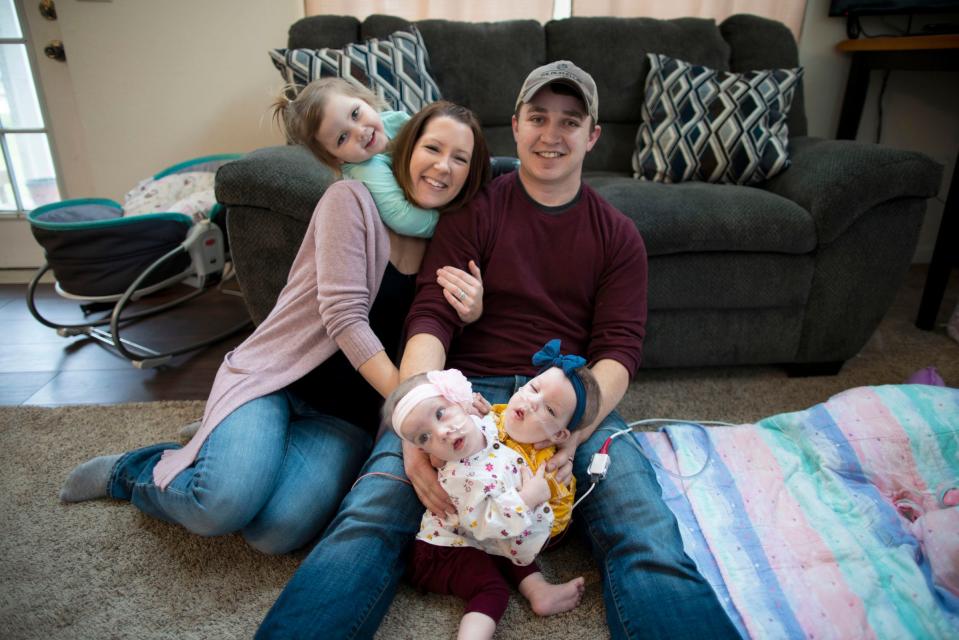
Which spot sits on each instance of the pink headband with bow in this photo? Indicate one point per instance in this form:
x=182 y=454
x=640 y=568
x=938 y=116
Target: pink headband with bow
x=451 y=384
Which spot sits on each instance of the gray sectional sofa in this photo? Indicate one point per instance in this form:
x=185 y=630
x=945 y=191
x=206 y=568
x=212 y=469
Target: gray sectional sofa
x=798 y=270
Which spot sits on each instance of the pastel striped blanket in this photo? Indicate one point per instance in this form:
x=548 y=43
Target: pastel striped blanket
x=835 y=522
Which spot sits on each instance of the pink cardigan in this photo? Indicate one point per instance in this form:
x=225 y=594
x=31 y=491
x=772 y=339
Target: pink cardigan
x=323 y=307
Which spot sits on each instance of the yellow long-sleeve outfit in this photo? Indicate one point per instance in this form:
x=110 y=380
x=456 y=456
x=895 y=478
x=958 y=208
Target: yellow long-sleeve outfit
x=561 y=497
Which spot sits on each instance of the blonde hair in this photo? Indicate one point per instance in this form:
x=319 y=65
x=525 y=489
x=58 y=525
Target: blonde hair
x=299 y=115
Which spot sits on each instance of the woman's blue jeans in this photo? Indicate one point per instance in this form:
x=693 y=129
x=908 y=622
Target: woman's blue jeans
x=651 y=587
x=274 y=470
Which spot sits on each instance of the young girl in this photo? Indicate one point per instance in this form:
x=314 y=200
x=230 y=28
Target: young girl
x=348 y=129
x=501 y=503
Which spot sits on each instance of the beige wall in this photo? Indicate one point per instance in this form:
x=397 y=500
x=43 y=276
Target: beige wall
x=156 y=83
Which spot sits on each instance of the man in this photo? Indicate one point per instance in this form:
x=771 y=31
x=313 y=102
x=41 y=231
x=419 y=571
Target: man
x=560 y=262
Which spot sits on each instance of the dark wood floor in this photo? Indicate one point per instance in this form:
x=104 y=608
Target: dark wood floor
x=38 y=367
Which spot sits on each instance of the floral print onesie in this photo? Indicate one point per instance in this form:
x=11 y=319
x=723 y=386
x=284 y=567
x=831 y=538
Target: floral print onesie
x=490 y=516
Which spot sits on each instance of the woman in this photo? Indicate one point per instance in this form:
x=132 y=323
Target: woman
x=289 y=422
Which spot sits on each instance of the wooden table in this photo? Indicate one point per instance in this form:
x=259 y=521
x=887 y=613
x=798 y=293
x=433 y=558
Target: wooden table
x=909 y=53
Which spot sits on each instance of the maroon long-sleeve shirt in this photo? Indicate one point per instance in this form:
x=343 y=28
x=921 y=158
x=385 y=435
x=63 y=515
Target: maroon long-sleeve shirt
x=576 y=272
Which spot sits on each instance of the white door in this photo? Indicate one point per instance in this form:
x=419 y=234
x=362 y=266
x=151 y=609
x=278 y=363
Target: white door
x=40 y=135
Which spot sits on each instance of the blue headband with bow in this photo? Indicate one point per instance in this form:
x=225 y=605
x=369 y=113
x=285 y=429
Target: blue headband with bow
x=550 y=356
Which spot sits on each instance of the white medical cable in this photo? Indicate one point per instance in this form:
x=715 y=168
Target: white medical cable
x=699 y=424
x=583 y=497
x=601 y=461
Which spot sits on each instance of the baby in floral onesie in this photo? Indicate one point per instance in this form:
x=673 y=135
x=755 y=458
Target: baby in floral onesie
x=502 y=515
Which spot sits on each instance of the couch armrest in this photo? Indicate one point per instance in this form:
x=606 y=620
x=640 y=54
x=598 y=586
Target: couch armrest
x=836 y=181
x=285 y=179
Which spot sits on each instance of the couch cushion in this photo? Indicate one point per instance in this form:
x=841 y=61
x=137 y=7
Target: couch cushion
x=317 y=32
x=694 y=216
x=713 y=126
x=729 y=280
x=703 y=337
x=396 y=68
x=481 y=65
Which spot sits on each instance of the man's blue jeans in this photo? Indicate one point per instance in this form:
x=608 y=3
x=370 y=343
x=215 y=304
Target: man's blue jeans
x=274 y=470
x=651 y=588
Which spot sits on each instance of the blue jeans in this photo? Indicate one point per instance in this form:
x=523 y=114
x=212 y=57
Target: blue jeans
x=274 y=470
x=346 y=584
x=651 y=587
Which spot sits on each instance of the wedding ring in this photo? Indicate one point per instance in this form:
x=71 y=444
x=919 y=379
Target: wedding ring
x=462 y=295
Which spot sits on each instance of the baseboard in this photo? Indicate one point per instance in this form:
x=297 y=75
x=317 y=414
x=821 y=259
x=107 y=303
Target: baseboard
x=22 y=276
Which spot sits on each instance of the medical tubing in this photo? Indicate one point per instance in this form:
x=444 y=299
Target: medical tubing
x=699 y=424
x=583 y=497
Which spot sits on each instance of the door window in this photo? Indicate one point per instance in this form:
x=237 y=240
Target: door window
x=28 y=177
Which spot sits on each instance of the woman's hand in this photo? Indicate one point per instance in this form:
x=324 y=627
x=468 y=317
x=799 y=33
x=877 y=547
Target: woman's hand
x=463 y=291
x=422 y=476
x=561 y=464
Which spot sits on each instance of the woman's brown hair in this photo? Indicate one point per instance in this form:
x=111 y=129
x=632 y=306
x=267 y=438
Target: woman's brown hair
x=405 y=141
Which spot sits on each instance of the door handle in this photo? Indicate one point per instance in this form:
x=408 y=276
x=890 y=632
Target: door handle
x=48 y=9
x=55 y=51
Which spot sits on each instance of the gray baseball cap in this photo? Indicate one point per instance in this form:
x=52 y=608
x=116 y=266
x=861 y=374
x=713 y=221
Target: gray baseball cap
x=567 y=73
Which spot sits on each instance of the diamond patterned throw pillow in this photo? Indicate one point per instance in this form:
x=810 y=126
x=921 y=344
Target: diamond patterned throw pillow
x=396 y=68
x=713 y=126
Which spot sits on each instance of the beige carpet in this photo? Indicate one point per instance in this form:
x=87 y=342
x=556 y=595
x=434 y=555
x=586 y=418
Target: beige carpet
x=102 y=570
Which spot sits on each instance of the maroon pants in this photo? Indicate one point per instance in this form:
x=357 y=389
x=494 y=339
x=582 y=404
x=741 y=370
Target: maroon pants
x=468 y=573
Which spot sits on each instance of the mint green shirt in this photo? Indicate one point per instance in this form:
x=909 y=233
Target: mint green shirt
x=399 y=214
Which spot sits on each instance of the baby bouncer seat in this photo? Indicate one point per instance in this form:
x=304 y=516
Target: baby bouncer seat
x=104 y=255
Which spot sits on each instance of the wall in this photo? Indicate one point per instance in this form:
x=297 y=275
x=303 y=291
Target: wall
x=159 y=82
x=920 y=109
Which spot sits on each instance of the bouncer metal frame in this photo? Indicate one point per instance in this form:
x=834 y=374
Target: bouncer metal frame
x=205 y=245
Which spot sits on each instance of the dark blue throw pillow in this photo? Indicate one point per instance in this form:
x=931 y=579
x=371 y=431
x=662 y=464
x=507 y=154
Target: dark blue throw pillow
x=713 y=126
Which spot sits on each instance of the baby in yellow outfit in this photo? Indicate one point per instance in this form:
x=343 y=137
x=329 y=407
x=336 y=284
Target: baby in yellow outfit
x=564 y=396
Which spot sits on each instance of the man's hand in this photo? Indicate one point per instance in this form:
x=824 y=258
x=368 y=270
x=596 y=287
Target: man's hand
x=613 y=381
x=561 y=464
x=535 y=489
x=422 y=476
x=481 y=405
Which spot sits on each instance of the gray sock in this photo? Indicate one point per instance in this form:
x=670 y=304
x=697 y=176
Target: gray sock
x=89 y=480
